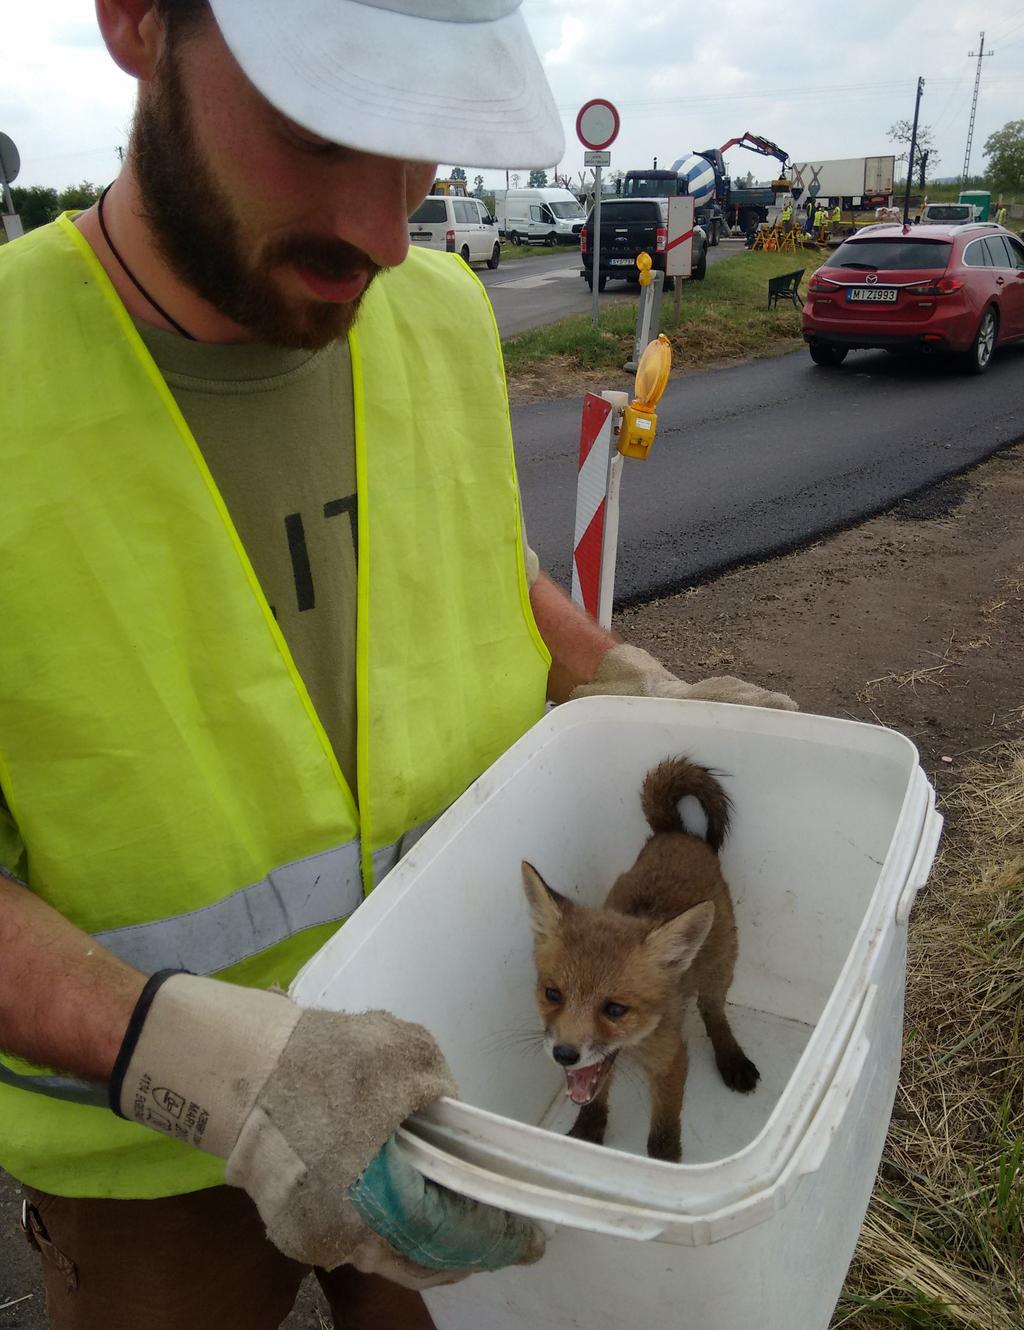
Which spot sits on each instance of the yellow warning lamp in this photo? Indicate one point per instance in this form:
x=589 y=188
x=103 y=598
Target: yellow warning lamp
x=643 y=262
x=640 y=420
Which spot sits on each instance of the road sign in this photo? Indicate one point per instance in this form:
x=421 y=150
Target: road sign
x=597 y=159
x=679 y=242
x=10 y=162
x=597 y=125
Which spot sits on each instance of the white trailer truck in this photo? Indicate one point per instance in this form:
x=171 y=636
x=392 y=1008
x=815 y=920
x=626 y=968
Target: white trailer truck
x=853 y=182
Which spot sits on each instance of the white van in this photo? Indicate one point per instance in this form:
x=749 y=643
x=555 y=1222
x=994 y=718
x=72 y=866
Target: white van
x=461 y=226
x=550 y=216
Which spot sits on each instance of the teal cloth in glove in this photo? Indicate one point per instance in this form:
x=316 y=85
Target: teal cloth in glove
x=435 y=1228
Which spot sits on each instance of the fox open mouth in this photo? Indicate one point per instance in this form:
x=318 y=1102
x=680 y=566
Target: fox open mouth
x=582 y=1083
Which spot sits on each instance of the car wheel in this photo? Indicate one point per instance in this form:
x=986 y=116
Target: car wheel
x=495 y=258
x=978 y=358
x=829 y=356
x=602 y=282
x=701 y=270
x=514 y=238
x=714 y=234
x=464 y=251
x=551 y=240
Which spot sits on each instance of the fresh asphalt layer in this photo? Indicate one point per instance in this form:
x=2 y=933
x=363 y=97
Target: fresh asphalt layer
x=528 y=293
x=763 y=457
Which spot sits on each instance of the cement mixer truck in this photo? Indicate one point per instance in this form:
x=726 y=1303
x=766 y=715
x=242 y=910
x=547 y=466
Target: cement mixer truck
x=719 y=204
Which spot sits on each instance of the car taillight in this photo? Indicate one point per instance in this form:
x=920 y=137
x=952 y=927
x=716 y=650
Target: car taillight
x=449 y=241
x=945 y=286
x=583 y=241
x=662 y=240
x=819 y=286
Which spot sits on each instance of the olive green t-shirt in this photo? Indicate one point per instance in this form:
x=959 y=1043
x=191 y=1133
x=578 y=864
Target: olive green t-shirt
x=276 y=429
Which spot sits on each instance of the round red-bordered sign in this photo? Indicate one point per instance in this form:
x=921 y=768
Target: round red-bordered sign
x=597 y=125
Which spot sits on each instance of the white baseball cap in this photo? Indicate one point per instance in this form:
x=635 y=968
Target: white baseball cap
x=454 y=81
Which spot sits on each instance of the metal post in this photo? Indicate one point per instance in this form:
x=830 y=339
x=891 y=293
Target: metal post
x=596 y=269
x=648 y=318
x=913 y=149
x=610 y=540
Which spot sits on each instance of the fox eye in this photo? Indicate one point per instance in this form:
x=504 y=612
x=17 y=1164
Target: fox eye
x=613 y=1010
x=553 y=994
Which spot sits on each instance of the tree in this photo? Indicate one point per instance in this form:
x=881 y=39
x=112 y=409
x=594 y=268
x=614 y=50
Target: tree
x=537 y=180
x=78 y=197
x=515 y=179
x=457 y=173
x=1005 y=151
x=35 y=205
x=478 y=186
x=903 y=131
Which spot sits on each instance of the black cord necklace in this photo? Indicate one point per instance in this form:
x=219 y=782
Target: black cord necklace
x=129 y=274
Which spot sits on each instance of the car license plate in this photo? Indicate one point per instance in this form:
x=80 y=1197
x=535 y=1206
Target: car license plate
x=419 y=235
x=622 y=263
x=876 y=295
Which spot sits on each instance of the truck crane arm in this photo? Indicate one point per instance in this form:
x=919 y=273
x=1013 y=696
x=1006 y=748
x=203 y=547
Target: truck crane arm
x=757 y=144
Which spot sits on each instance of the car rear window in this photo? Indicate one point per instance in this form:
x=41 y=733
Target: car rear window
x=430 y=210
x=890 y=253
x=951 y=212
x=614 y=211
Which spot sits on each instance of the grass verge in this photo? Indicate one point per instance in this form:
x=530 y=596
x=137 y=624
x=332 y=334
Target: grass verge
x=537 y=251
x=942 y=1247
x=722 y=317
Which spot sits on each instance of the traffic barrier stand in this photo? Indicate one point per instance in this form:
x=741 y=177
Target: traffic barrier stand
x=648 y=313
x=612 y=428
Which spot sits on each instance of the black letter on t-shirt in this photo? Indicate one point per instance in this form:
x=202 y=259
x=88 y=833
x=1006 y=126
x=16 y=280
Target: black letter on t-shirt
x=348 y=505
x=300 y=561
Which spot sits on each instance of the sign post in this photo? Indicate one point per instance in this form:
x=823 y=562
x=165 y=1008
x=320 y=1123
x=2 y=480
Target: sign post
x=679 y=245
x=597 y=127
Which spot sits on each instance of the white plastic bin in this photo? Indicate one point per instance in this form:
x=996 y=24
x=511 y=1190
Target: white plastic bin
x=834 y=831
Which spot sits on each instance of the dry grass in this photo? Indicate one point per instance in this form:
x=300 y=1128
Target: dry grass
x=943 y=1242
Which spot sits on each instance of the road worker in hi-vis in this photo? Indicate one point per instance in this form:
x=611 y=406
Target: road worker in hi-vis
x=267 y=610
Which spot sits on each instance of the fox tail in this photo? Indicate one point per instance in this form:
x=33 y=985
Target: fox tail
x=671 y=781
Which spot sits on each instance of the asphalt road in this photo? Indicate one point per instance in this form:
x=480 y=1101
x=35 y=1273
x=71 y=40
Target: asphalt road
x=760 y=458
x=528 y=293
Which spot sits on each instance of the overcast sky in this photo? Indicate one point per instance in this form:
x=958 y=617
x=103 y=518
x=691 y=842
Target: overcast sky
x=822 y=83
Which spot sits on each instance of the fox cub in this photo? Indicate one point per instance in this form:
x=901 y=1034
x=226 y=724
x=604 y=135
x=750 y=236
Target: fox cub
x=619 y=977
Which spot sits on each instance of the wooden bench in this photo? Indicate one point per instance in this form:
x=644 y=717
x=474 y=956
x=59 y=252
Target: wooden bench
x=787 y=286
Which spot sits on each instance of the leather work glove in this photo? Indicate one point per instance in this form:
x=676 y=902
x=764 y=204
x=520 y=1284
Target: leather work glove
x=303 y=1106
x=629 y=671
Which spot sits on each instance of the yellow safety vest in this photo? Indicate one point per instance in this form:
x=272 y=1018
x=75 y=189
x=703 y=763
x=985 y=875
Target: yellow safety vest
x=171 y=789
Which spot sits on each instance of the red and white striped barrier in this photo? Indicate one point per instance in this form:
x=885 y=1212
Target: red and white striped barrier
x=597 y=507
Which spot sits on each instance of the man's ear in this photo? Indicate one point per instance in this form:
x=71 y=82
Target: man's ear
x=547 y=907
x=134 y=34
x=674 y=945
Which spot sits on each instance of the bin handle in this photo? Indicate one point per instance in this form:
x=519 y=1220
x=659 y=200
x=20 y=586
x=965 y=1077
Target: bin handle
x=922 y=864
x=830 y=1112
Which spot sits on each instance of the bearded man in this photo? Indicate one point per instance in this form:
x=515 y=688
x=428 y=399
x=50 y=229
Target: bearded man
x=267 y=610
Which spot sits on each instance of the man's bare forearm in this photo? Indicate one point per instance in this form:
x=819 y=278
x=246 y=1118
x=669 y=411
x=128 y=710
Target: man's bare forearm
x=65 y=1001
x=577 y=644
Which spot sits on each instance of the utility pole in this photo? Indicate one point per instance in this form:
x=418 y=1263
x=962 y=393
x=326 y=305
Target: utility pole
x=924 y=165
x=913 y=149
x=981 y=54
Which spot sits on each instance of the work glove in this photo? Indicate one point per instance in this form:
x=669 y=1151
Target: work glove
x=303 y=1106
x=629 y=671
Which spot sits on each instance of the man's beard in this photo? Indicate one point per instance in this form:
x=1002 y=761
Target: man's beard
x=199 y=235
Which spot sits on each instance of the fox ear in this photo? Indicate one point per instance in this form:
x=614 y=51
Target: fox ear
x=546 y=905
x=675 y=944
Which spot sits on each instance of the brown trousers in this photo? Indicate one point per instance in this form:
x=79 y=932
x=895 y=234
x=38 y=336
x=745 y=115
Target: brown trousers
x=195 y=1262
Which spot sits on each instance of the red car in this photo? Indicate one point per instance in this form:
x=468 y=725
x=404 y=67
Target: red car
x=957 y=289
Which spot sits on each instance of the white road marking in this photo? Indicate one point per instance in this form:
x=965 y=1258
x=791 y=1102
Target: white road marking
x=539 y=279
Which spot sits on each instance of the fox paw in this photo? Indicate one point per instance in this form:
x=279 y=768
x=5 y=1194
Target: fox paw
x=738 y=1072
